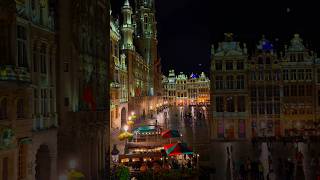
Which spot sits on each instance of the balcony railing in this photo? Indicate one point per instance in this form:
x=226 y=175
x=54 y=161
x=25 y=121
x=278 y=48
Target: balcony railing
x=11 y=73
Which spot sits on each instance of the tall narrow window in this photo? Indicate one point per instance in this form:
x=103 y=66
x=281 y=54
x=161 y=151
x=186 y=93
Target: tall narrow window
x=261 y=93
x=269 y=92
x=3 y=109
x=253 y=108
x=229 y=82
x=240 y=65
x=261 y=75
x=230 y=104
x=276 y=107
x=43 y=59
x=293 y=74
x=268 y=60
x=22 y=46
x=300 y=74
x=285 y=74
x=260 y=60
x=34 y=58
x=269 y=108
x=308 y=74
x=241 y=104
x=240 y=82
x=20 y=108
x=253 y=76
x=229 y=65
x=253 y=93
x=219 y=82
x=219 y=104
x=261 y=108
x=218 y=65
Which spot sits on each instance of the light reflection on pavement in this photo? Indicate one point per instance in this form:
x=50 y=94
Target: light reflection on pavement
x=213 y=153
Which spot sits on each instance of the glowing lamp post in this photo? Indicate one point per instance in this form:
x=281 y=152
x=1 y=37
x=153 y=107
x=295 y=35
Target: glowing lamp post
x=72 y=164
x=125 y=128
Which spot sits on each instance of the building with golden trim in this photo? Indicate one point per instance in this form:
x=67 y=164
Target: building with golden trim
x=278 y=92
x=182 y=90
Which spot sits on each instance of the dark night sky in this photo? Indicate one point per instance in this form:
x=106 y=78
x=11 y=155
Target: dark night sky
x=187 y=29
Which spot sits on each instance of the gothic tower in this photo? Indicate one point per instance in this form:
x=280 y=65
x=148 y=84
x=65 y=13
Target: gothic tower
x=127 y=26
x=146 y=36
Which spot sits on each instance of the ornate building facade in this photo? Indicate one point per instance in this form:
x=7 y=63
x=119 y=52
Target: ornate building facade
x=28 y=111
x=83 y=86
x=139 y=46
x=119 y=79
x=264 y=86
x=229 y=92
x=279 y=91
x=182 y=90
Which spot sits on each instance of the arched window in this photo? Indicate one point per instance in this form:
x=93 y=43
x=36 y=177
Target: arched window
x=20 y=110
x=3 y=109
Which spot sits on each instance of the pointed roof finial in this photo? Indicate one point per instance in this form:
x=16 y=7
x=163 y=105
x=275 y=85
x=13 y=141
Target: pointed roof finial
x=228 y=36
x=126 y=3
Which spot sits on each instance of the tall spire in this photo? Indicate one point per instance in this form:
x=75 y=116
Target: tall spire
x=126 y=3
x=127 y=27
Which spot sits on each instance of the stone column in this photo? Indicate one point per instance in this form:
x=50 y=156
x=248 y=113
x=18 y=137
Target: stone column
x=53 y=164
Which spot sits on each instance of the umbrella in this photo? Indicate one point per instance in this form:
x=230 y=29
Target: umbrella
x=170 y=134
x=145 y=129
x=177 y=149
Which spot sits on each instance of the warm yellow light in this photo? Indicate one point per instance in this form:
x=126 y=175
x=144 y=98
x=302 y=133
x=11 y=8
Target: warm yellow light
x=126 y=127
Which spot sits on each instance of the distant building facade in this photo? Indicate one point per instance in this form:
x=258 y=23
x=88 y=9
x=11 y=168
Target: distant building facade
x=182 y=90
x=277 y=90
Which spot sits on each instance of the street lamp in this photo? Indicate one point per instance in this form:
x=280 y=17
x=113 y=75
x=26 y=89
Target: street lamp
x=72 y=164
x=125 y=128
x=115 y=154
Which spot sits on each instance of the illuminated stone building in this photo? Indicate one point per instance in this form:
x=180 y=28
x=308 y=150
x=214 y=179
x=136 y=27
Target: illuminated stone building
x=281 y=86
x=28 y=115
x=297 y=101
x=182 y=90
x=119 y=80
x=198 y=89
x=169 y=86
x=229 y=92
x=139 y=46
x=83 y=86
x=264 y=86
